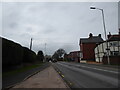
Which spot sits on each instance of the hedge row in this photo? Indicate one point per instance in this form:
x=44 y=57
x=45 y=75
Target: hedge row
x=13 y=54
x=28 y=55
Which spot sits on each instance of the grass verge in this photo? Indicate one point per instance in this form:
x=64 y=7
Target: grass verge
x=23 y=69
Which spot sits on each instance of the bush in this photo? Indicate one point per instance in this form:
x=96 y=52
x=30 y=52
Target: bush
x=40 y=56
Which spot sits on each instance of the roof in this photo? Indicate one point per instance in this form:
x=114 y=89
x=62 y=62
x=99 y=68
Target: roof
x=93 y=39
x=75 y=52
x=114 y=38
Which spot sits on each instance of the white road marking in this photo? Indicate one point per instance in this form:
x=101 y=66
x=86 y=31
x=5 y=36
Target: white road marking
x=98 y=69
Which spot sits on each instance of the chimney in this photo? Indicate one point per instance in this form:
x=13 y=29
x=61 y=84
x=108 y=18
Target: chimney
x=109 y=35
x=90 y=35
x=99 y=35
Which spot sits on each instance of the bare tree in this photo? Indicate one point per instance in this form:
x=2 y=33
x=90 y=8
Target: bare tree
x=59 y=54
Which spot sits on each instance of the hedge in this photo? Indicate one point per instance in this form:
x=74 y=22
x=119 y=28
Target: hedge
x=13 y=54
x=28 y=55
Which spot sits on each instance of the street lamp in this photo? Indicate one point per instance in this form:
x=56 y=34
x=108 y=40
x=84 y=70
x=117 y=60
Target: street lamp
x=104 y=31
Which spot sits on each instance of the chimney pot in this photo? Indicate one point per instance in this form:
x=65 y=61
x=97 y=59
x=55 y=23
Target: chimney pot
x=90 y=35
x=99 y=35
x=109 y=35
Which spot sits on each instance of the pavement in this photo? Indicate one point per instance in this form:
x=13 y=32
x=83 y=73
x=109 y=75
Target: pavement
x=89 y=75
x=48 y=78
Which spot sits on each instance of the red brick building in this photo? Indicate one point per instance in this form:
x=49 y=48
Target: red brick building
x=87 y=46
x=73 y=56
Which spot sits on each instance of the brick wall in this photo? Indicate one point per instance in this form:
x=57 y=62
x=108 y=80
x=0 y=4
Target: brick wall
x=113 y=60
x=88 y=51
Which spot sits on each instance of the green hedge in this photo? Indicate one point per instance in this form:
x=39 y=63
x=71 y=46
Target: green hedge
x=13 y=54
x=28 y=55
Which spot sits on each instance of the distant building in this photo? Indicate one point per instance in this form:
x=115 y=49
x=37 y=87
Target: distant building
x=113 y=46
x=87 y=46
x=73 y=56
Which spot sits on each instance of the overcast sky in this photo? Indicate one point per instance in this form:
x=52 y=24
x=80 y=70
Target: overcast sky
x=59 y=25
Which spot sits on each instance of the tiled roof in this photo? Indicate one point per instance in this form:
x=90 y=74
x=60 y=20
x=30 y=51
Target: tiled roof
x=93 y=39
x=114 y=38
x=75 y=52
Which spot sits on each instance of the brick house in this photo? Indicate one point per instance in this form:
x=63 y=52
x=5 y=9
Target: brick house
x=87 y=46
x=73 y=56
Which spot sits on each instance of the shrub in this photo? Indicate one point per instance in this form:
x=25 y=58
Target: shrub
x=40 y=56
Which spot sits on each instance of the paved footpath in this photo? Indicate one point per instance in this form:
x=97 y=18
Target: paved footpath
x=48 y=78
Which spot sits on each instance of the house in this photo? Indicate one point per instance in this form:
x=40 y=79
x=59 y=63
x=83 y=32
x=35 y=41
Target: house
x=73 y=56
x=87 y=46
x=113 y=50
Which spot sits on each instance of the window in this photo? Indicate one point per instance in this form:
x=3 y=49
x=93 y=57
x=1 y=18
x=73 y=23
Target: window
x=111 y=53
x=114 y=53
x=113 y=44
x=110 y=44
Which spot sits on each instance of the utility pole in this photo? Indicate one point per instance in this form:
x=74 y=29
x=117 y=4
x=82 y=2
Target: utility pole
x=45 y=48
x=45 y=52
x=31 y=44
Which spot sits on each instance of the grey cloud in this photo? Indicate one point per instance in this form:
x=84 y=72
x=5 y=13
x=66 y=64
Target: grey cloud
x=119 y=14
x=13 y=25
x=48 y=31
x=55 y=23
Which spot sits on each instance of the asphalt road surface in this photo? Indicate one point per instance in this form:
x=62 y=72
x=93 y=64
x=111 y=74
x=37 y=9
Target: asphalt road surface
x=88 y=76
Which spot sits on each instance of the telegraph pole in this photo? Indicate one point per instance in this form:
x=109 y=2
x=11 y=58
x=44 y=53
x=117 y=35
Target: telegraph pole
x=45 y=52
x=45 y=48
x=31 y=44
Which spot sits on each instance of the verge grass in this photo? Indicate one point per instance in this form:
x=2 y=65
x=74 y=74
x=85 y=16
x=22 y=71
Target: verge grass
x=20 y=70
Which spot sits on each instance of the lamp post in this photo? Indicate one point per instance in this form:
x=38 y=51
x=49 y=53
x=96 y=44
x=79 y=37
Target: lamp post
x=104 y=31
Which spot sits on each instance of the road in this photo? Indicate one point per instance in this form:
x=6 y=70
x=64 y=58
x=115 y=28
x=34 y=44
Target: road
x=88 y=76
